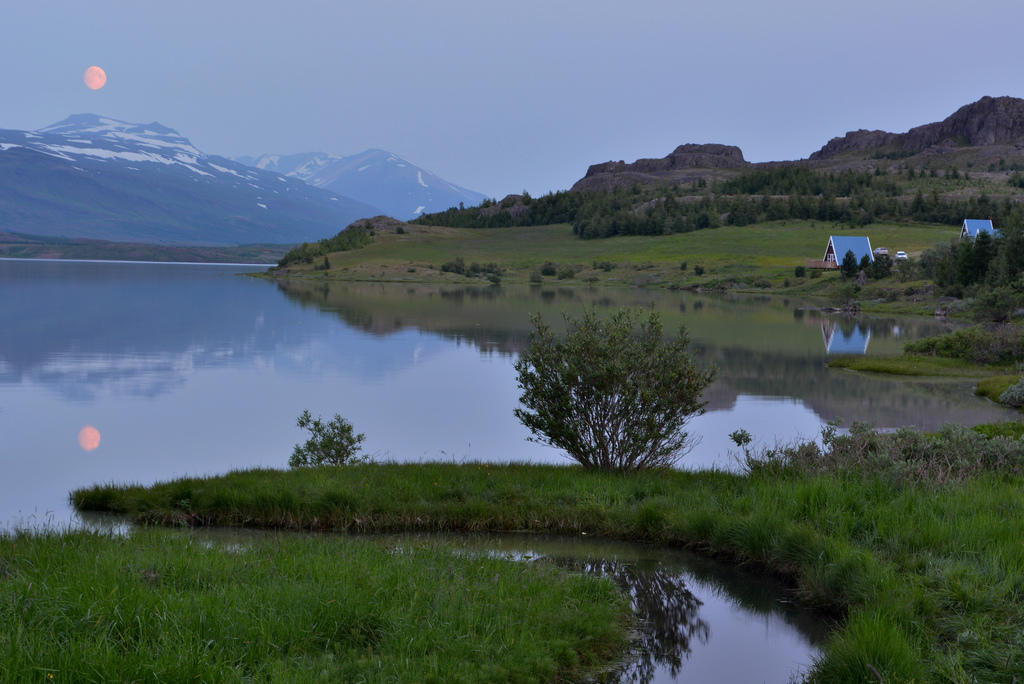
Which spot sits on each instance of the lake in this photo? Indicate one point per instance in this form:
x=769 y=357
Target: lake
x=191 y=369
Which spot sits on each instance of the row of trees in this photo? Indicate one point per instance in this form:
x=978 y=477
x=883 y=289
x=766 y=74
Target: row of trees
x=351 y=238
x=988 y=269
x=785 y=193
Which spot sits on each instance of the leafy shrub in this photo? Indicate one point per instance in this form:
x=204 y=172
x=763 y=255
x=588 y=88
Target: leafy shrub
x=698 y=270
x=536 y=277
x=566 y=273
x=1014 y=395
x=457 y=265
x=682 y=266
x=800 y=271
x=1005 y=429
x=905 y=456
x=331 y=444
x=548 y=269
x=997 y=304
x=611 y=399
x=976 y=345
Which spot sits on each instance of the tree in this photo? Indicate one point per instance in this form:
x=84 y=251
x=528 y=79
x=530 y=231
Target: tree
x=610 y=399
x=848 y=267
x=333 y=444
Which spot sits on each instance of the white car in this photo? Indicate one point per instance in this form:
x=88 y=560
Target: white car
x=901 y=255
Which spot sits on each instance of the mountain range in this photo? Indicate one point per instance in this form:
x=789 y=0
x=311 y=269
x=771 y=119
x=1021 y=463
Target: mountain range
x=398 y=187
x=94 y=177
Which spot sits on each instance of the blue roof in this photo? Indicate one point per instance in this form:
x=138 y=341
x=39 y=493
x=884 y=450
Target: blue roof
x=860 y=246
x=974 y=226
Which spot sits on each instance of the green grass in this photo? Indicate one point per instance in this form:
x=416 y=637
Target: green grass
x=767 y=250
x=992 y=388
x=164 y=606
x=929 y=574
x=910 y=364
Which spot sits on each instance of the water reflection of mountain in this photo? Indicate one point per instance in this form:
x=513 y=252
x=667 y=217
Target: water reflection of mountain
x=140 y=329
x=763 y=346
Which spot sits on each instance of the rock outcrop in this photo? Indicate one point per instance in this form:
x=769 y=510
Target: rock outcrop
x=856 y=140
x=989 y=121
x=674 y=167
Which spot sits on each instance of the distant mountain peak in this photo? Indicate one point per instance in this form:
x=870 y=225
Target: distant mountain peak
x=96 y=177
x=103 y=127
x=378 y=177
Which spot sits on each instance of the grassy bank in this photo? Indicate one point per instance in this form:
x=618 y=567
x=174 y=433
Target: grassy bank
x=753 y=257
x=912 y=364
x=990 y=354
x=918 y=545
x=162 y=606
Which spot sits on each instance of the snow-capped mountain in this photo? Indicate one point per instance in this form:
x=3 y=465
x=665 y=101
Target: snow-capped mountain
x=95 y=177
x=396 y=185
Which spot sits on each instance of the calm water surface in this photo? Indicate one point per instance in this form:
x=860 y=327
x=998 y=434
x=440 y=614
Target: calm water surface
x=190 y=370
x=193 y=369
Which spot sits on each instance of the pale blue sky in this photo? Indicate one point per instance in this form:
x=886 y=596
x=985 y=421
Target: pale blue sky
x=505 y=96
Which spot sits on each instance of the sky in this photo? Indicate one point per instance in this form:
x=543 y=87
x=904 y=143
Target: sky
x=501 y=97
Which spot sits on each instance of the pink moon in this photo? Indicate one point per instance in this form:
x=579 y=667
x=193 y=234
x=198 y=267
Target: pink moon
x=95 y=77
x=89 y=438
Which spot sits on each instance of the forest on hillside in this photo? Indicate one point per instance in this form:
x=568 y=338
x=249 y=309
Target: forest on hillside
x=853 y=198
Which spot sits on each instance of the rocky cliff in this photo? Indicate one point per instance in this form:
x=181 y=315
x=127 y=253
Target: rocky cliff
x=677 y=167
x=989 y=121
x=987 y=130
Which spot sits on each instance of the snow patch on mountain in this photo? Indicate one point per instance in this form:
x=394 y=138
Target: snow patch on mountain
x=378 y=177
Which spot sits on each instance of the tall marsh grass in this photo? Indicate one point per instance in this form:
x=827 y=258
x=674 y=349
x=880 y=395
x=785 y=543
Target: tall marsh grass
x=164 y=606
x=915 y=540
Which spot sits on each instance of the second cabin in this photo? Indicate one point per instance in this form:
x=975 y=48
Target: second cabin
x=838 y=246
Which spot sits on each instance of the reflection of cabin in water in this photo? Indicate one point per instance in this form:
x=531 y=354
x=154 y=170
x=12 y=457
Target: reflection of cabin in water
x=851 y=338
x=838 y=246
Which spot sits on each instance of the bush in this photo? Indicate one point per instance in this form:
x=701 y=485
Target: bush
x=902 y=457
x=566 y=273
x=536 y=277
x=456 y=265
x=1003 y=344
x=548 y=269
x=610 y=399
x=333 y=444
x=1014 y=395
x=698 y=270
x=800 y=271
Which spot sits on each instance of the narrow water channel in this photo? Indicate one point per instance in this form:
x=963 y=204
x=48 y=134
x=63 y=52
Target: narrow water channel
x=698 y=620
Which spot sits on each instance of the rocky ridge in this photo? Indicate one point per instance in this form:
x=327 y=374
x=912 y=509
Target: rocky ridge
x=989 y=121
x=985 y=131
